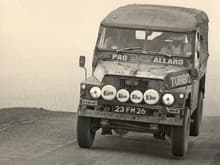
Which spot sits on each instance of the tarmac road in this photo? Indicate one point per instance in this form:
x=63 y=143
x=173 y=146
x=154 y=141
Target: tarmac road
x=40 y=137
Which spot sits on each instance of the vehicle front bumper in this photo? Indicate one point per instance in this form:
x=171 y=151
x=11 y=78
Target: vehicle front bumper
x=129 y=117
x=95 y=112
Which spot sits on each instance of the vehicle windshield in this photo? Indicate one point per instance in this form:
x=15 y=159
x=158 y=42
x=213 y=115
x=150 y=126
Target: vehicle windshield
x=146 y=41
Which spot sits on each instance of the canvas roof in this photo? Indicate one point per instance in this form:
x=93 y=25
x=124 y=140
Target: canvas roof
x=156 y=17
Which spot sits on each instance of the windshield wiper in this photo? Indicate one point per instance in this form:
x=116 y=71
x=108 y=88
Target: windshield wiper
x=150 y=52
x=158 y=53
x=128 y=48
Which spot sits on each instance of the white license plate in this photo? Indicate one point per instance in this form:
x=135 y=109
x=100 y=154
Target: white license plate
x=129 y=110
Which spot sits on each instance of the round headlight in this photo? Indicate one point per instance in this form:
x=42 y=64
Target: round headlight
x=95 y=92
x=122 y=95
x=136 y=96
x=151 y=96
x=168 y=99
x=108 y=92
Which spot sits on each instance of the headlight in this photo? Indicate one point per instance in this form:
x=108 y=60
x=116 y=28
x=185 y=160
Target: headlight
x=151 y=96
x=136 y=96
x=95 y=92
x=168 y=99
x=108 y=92
x=122 y=95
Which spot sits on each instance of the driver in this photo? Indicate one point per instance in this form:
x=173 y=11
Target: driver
x=110 y=43
x=177 y=45
x=119 y=39
x=111 y=39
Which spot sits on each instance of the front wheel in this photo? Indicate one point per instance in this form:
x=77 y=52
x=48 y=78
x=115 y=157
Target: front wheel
x=180 y=136
x=85 y=132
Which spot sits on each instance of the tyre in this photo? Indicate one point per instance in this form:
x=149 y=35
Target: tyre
x=85 y=132
x=197 y=117
x=180 y=136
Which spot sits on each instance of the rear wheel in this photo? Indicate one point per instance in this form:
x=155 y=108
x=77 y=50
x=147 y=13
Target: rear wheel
x=180 y=136
x=197 y=117
x=85 y=132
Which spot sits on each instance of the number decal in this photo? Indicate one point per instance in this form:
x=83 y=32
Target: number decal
x=116 y=109
x=121 y=109
x=140 y=111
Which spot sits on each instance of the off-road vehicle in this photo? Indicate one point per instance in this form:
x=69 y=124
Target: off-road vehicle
x=148 y=75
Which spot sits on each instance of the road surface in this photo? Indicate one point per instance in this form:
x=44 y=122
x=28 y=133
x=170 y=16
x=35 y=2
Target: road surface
x=32 y=136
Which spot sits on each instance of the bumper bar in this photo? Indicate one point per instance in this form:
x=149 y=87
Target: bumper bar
x=129 y=117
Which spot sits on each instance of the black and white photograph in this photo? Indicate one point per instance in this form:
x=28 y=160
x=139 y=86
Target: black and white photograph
x=127 y=82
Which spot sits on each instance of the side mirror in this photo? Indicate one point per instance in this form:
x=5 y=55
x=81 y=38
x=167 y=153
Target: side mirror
x=82 y=61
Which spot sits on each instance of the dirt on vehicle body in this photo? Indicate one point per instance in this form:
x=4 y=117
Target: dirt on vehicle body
x=149 y=68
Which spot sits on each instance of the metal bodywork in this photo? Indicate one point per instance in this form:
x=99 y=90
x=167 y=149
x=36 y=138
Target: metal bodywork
x=156 y=17
x=165 y=74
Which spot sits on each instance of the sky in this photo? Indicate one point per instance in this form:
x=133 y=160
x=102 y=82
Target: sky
x=41 y=41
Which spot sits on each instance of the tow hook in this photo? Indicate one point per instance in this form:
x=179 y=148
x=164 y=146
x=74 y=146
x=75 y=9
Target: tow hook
x=106 y=130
